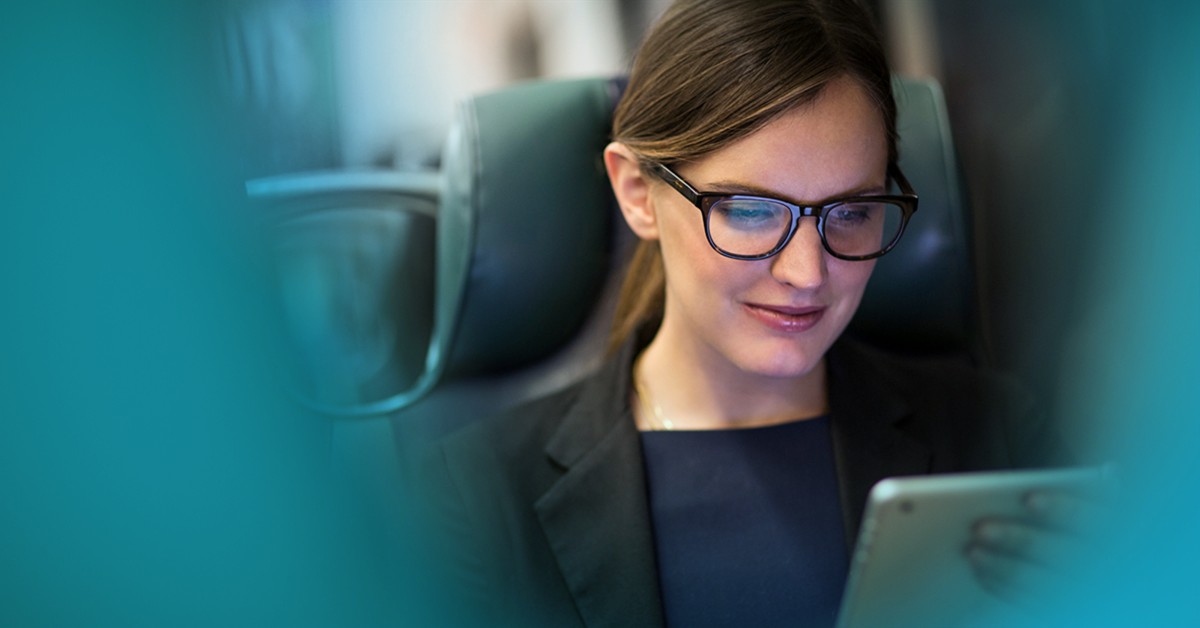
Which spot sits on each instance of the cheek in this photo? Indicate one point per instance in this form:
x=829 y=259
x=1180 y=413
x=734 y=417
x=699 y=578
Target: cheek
x=692 y=267
x=689 y=261
x=701 y=284
x=679 y=225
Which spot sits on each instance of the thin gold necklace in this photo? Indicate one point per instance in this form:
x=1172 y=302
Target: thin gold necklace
x=652 y=412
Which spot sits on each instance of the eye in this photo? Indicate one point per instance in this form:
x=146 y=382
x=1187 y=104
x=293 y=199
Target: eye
x=748 y=214
x=851 y=215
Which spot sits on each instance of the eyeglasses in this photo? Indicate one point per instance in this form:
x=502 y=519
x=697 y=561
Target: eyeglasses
x=751 y=227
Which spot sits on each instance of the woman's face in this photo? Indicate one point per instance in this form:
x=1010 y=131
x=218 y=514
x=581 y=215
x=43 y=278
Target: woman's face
x=775 y=317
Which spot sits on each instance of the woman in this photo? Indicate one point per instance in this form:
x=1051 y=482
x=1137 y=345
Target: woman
x=716 y=468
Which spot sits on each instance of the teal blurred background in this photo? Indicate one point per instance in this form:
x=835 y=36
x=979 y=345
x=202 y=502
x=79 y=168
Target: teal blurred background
x=1078 y=124
x=1131 y=379
x=153 y=470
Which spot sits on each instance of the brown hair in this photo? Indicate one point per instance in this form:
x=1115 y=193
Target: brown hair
x=712 y=72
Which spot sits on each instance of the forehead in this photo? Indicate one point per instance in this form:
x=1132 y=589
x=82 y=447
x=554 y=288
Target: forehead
x=834 y=145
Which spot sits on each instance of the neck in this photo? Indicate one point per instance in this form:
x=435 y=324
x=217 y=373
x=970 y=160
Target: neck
x=695 y=388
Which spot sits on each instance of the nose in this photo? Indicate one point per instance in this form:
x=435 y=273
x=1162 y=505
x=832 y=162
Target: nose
x=801 y=264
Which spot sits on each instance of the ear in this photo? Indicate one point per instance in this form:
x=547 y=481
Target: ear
x=632 y=189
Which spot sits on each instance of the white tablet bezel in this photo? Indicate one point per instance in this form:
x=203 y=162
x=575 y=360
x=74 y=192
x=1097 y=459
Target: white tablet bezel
x=909 y=565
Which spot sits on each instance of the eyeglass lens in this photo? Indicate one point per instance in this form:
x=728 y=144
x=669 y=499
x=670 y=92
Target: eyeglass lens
x=755 y=226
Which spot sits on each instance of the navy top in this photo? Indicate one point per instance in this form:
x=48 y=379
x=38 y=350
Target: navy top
x=747 y=525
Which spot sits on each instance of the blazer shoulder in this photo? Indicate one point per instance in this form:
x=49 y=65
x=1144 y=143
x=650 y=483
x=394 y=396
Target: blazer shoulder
x=515 y=433
x=479 y=490
x=934 y=378
x=977 y=417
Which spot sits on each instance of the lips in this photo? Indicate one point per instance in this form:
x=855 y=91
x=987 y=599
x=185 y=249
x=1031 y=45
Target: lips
x=785 y=318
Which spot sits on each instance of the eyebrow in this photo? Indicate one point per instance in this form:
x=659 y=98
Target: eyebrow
x=728 y=187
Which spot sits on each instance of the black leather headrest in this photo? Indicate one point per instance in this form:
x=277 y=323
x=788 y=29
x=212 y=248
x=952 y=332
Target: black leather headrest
x=921 y=298
x=523 y=222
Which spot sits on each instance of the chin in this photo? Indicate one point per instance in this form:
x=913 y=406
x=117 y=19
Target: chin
x=789 y=364
x=769 y=353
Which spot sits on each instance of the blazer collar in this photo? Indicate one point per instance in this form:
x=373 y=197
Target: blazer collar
x=596 y=517
x=868 y=418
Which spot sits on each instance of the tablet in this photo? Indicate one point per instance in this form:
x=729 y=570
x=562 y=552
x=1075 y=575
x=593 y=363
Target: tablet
x=909 y=568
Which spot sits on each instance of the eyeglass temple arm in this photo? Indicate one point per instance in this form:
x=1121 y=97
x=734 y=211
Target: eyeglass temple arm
x=906 y=188
x=673 y=180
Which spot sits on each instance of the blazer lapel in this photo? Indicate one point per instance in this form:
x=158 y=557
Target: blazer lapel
x=596 y=516
x=869 y=444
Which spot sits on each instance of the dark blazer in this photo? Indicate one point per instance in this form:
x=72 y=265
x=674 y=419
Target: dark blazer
x=543 y=514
